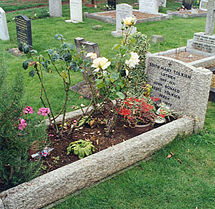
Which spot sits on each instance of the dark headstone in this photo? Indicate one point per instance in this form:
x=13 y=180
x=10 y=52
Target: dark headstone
x=23 y=29
x=112 y=4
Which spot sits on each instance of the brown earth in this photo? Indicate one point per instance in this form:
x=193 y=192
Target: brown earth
x=138 y=15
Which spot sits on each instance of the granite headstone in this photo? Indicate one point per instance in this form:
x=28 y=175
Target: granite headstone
x=4 y=35
x=23 y=29
x=182 y=87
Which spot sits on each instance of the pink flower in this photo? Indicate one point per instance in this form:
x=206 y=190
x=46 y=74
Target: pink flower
x=29 y=110
x=22 y=124
x=44 y=111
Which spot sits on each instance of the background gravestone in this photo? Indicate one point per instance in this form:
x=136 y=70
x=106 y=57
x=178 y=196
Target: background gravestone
x=88 y=46
x=75 y=11
x=204 y=42
x=23 y=29
x=55 y=8
x=4 y=35
x=112 y=4
x=149 y=6
x=182 y=87
x=122 y=11
x=203 y=5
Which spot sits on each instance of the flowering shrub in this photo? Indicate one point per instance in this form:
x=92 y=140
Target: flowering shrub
x=17 y=132
x=137 y=111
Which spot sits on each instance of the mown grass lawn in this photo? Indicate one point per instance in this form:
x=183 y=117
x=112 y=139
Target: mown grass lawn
x=184 y=181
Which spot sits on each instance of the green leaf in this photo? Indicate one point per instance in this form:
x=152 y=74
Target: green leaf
x=100 y=83
x=120 y=95
x=116 y=46
x=114 y=76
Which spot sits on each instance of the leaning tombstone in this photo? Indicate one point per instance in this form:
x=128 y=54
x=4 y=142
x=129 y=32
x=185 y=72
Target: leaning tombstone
x=75 y=11
x=149 y=6
x=23 y=29
x=122 y=11
x=88 y=46
x=82 y=87
x=4 y=35
x=55 y=8
x=184 y=88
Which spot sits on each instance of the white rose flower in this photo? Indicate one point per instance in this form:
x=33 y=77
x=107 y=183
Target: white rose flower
x=129 y=21
x=133 y=61
x=100 y=63
x=91 y=55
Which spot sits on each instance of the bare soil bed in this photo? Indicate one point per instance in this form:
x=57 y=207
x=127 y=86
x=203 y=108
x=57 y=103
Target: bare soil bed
x=138 y=15
x=185 y=56
x=94 y=132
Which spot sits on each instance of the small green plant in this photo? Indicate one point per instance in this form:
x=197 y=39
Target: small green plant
x=81 y=148
x=16 y=135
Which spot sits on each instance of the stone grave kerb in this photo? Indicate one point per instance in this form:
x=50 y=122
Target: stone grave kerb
x=182 y=87
x=4 y=35
x=210 y=20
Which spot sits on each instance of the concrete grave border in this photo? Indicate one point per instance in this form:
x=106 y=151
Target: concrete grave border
x=177 y=14
x=68 y=179
x=112 y=20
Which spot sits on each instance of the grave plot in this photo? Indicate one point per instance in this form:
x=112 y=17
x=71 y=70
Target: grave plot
x=200 y=51
x=147 y=12
x=177 y=88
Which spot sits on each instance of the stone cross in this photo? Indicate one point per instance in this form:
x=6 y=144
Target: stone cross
x=209 y=27
x=4 y=35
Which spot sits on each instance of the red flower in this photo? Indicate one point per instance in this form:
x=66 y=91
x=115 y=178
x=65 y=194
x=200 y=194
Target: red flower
x=155 y=99
x=125 y=112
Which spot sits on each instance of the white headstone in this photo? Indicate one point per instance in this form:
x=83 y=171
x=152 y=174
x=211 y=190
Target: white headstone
x=122 y=11
x=55 y=8
x=4 y=35
x=203 y=5
x=75 y=11
x=149 y=6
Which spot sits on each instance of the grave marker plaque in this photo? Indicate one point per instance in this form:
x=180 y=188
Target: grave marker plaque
x=23 y=29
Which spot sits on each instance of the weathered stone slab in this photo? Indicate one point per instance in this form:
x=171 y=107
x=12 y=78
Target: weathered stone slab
x=55 y=8
x=75 y=11
x=149 y=6
x=156 y=38
x=4 y=35
x=181 y=86
x=88 y=46
x=68 y=179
